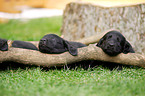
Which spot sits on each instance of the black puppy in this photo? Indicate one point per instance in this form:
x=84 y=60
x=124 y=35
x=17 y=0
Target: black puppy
x=17 y=44
x=53 y=44
x=114 y=43
x=24 y=45
x=3 y=45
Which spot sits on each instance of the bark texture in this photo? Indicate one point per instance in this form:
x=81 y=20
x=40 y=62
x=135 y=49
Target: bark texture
x=90 y=52
x=82 y=20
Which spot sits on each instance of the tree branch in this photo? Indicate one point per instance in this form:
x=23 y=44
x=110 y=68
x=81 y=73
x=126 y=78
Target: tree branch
x=90 y=52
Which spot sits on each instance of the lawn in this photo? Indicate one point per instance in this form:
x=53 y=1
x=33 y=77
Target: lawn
x=32 y=30
x=36 y=81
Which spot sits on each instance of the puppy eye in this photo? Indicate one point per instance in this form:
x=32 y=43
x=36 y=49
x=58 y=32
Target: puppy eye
x=118 y=39
x=43 y=40
x=110 y=36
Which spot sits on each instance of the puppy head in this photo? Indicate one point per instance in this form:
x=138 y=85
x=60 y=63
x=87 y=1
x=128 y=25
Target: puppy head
x=54 y=44
x=3 y=45
x=114 y=43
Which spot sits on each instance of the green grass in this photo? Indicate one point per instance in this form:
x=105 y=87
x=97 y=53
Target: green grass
x=99 y=82
x=31 y=30
x=36 y=81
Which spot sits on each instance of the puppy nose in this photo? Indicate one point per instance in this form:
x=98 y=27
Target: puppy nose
x=43 y=41
x=111 y=44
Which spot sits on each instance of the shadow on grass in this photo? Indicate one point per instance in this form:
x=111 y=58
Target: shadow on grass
x=86 y=65
x=14 y=66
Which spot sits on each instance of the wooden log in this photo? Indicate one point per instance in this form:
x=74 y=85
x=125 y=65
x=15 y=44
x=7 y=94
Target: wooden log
x=83 y=19
x=90 y=52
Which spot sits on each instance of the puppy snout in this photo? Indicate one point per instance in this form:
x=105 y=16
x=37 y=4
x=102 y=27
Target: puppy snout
x=111 y=44
x=43 y=41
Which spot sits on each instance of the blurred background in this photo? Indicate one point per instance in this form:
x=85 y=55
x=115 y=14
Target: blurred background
x=30 y=20
x=16 y=9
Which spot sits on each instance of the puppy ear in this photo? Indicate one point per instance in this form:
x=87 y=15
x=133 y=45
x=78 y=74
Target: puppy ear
x=100 y=42
x=128 y=48
x=72 y=50
x=4 y=46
